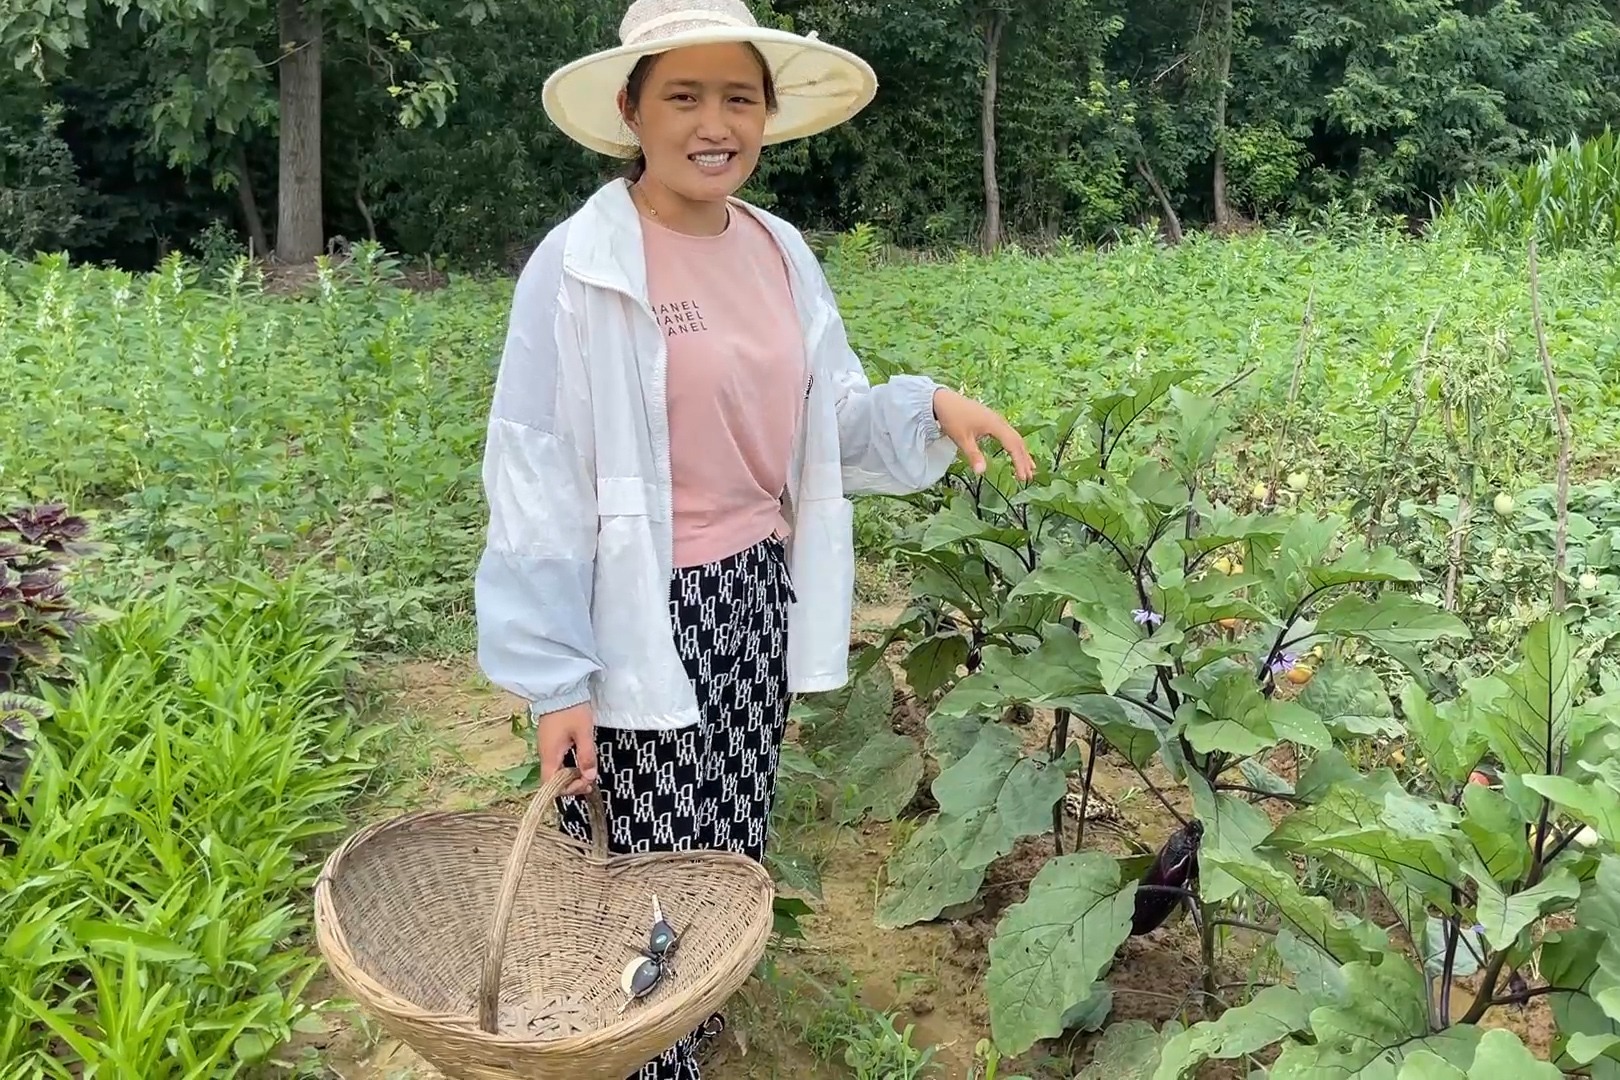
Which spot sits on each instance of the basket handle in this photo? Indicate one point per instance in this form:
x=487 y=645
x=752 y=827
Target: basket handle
x=489 y=986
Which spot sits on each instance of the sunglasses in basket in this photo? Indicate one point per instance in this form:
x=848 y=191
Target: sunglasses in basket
x=651 y=963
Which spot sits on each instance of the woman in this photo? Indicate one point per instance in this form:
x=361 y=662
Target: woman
x=677 y=424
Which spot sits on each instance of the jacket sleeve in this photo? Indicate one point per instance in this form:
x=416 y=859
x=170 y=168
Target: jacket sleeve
x=890 y=442
x=532 y=590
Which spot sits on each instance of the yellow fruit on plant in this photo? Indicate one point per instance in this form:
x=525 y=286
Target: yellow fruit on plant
x=1231 y=624
x=1223 y=564
x=1237 y=567
x=1300 y=674
x=1260 y=492
x=1503 y=504
x=1299 y=480
x=1589 y=581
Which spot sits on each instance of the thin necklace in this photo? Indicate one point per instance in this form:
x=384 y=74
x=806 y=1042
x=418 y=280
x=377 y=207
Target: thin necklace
x=652 y=211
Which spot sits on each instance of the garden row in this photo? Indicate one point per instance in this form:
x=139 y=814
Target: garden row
x=1383 y=796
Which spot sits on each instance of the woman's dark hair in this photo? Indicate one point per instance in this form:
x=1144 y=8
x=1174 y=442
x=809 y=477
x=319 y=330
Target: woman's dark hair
x=637 y=82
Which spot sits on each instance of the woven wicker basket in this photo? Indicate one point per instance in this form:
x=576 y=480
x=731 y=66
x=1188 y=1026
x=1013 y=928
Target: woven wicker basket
x=490 y=973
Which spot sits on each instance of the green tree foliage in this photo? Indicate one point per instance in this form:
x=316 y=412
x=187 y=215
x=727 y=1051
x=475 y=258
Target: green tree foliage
x=210 y=77
x=1109 y=116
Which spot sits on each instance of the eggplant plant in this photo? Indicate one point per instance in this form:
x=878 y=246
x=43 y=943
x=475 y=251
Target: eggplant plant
x=1177 y=630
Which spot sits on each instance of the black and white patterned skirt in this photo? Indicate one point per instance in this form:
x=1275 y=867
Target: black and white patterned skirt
x=710 y=786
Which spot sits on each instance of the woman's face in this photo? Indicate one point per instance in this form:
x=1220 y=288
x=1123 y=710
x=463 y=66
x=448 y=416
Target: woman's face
x=701 y=120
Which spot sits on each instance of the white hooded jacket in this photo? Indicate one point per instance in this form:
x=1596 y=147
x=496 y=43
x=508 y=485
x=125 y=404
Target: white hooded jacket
x=572 y=591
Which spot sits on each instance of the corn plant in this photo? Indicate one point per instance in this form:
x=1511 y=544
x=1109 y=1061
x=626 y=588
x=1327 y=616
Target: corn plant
x=1568 y=197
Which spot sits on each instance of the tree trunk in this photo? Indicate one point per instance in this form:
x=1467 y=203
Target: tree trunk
x=1172 y=223
x=250 y=205
x=299 y=224
x=991 y=239
x=1223 y=74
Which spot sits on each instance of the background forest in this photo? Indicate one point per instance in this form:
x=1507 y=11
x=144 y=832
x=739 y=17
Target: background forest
x=127 y=130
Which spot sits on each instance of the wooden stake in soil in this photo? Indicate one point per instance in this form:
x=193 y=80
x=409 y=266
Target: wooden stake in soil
x=1301 y=354
x=1561 y=424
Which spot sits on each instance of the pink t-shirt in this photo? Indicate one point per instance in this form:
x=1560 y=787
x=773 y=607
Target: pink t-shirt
x=736 y=384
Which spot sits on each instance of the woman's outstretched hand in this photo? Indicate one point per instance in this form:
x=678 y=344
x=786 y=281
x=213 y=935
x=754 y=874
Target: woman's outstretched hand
x=967 y=421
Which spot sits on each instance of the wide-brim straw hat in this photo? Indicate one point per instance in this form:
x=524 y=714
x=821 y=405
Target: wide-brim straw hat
x=818 y=85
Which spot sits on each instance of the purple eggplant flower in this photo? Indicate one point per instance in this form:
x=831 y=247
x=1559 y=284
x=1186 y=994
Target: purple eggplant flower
x=1284 y=664
x=1144 y=617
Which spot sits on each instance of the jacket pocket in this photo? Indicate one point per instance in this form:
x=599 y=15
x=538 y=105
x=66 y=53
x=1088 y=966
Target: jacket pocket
x=643 y=674
x=822 y=562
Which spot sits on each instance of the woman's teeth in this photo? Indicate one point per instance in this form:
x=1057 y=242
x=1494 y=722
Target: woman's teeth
x=712 y=161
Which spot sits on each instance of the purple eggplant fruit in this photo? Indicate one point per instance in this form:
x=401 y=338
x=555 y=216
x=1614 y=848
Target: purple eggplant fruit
x=1175 y=868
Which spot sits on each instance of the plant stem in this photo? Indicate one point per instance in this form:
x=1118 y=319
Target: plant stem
x=1246 y=789
x=1234 y=380
x=1453 y=926
x=1459 y=537
x=1536 y=864
x=1533 y=992
x=1561 y=537
x=1206 y=956
x=1376 y=512
x=1282 y=636
x=1242 y=925
x=1171 y=698
x=1060 y=743
x=1487 y=990
x=1151 y=786
x=1191 y=520
x=1085 y=793
x=1558 y=848
x=1301 y=352
x=1145 y=707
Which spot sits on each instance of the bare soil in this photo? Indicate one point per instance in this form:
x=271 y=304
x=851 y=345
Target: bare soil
x=458 y=740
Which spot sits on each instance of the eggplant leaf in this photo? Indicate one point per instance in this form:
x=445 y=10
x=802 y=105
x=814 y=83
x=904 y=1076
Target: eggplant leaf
x=1529 y=725
x=1050 y=948
x=1275 y=1013
x=1383 y=1020
x=995 y=796
x=923 y=880
x=1129 y=1050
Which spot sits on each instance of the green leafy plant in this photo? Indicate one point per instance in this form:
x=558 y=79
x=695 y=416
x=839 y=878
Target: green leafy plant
x=37 y=621
x=1568 y=197
x=154 y=887
x=1210 y=644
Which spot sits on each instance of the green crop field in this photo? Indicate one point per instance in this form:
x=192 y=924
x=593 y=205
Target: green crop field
x=1295 y=564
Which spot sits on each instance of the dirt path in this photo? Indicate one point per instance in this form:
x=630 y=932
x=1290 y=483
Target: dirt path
x=456 y=743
